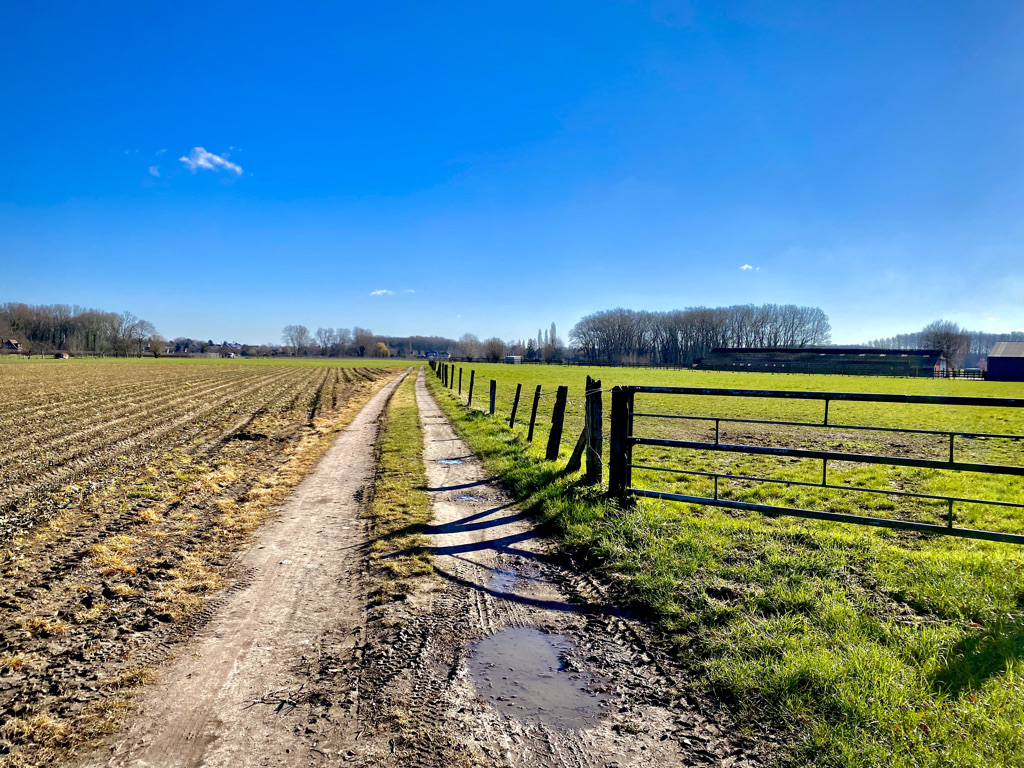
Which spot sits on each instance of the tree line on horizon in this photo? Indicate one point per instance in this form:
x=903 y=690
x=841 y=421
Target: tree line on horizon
x=682 y=336
x=677 y=337
x=47 y=328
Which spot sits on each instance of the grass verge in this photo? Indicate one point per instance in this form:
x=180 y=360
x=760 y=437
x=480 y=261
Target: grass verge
x=869 y=648
x=400 y=507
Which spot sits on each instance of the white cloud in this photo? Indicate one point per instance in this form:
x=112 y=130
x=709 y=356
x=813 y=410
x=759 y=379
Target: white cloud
x=160 y=152
x=748 y=268
x=200 y=158
x=154 y=170
x=381 y=292
x=991 y=319
x=409 y=290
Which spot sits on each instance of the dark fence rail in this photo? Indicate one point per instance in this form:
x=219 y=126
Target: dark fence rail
x=623 y=440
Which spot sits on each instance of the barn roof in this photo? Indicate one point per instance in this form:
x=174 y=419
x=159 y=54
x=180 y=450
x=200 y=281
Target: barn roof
x=1007 y=349
x=828 y=352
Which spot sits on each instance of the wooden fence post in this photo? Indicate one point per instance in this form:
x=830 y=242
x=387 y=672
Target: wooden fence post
x=451 y=378
x=620 y=452
x=472 y=376
x=533 y=414
x=594 y=416
x=515 y=405
x=460 y=382
x=575 y=459
x=494 y=394
x=557 y=422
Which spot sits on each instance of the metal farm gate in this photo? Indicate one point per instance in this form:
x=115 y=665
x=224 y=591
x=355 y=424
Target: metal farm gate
x=623 y=440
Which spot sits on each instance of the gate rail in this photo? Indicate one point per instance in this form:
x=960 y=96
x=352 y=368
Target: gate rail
x=622 y=440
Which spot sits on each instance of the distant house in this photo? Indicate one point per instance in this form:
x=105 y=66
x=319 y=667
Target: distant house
x=1006 y=361
x=848 y=361
x=61 y=355
x=11 y=345
x=513 y=359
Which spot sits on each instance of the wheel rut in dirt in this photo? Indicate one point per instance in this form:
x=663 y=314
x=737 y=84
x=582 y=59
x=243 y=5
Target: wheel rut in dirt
x=512 y=657
x=239 y=693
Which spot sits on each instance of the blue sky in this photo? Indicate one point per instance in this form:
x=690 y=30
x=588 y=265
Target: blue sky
x=497 y=167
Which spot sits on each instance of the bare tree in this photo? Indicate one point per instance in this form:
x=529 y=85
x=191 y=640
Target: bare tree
x=494 y=349
x=363 y=340
x=343 y=341
x=297 y=337
x=469 y=346
x=947 y=337
x=325 y=339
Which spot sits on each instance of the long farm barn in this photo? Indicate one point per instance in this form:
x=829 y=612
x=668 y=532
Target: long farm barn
x=847 y=361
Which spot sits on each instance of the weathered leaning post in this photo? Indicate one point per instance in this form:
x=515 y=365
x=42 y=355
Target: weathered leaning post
x=494 y=394
x=557 y=422
x=533 y=414
x=515 y=406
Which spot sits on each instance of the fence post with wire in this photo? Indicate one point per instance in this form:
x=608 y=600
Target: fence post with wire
x=533 y=414
x=592 y=430
x=557 y=423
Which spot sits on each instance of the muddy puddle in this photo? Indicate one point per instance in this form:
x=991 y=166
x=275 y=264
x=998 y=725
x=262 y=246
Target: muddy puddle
x=469 y=497
x=521 y=672
x=450 y=461
x=504 y=581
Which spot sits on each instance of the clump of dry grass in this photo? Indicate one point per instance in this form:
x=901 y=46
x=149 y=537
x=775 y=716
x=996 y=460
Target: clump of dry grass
x=14 y=661
x=111 y=556
x=43 y=626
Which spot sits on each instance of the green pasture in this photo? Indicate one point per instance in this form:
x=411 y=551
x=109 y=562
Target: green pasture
x=863 y=646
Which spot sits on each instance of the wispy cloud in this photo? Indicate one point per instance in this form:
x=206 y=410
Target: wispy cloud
x=409 y=290
x=991 y=319
x=199 y=158
x=748 y=268
x=381 y=292
x=160 y=152
x=154 y=170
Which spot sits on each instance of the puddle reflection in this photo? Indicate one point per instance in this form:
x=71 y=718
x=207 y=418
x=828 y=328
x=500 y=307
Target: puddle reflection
x=520 y=671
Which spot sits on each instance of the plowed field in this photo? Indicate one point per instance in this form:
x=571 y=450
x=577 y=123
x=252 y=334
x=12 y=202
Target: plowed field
x=125 y=491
